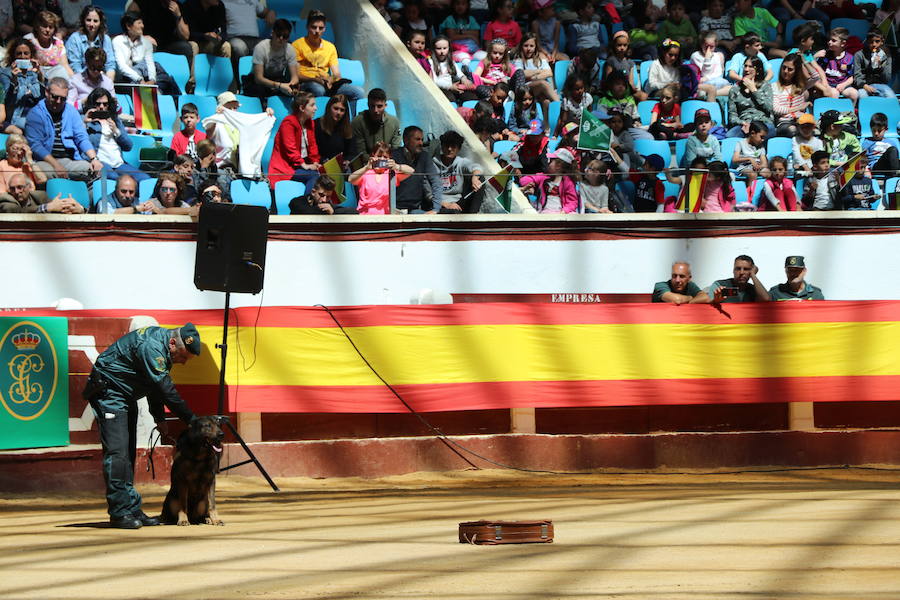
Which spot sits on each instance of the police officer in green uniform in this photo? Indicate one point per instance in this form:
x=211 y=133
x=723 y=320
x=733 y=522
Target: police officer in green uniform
x=136 y=365
x=796 y=288
x=742 y=286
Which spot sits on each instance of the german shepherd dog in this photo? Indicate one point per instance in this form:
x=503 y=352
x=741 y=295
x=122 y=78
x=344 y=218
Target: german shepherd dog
x=192 y=497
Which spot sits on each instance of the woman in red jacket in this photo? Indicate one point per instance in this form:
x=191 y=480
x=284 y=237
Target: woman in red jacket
x=295 y=154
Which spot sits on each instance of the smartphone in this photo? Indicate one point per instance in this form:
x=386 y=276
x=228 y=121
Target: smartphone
x=101 y=114
x=23 y=64
x=729 y=292
x=381 y=163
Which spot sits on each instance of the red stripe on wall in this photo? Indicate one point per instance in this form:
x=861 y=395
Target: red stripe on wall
x=518 y=314
x=545 y=394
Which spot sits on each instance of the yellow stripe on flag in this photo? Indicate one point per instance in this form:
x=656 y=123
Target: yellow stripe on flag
x=333 y=169
x=485 y=353
x=698 y=184
x=146 y=108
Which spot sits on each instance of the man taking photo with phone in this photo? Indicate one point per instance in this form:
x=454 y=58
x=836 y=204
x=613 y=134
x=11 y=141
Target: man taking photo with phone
x=742 y=286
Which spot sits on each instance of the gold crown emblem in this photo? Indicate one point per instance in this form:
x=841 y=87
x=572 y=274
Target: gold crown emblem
x=26 y=340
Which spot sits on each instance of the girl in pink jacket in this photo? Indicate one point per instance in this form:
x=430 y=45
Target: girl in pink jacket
x=556 y=192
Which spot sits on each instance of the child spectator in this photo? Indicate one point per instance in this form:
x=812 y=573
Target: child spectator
x=664 y=70
x=838 y=64
x=413 y=19
x=752 y=46
x=374 y=181
x=872 y=68
x=497 y=68
x=503 y=26
x=778 y=191
x=750 y=19
x=820 y=190
x=415 y=43
x=702 y=144
x=617 y=96
x=750 y=152
x=678 y=27
x=840 y=145
x=718 y=195
x=185 y=141
x=546 y=26
x=717 y=22
x=881 y=152
x=585 y=32
x=650 y=193
x=523 y=113
x=450 y=79
x=750 y=100
x=665 y=118
x=804 y=144
x=622 y=142
x=644 y=37
x=556 y=191
x=806 y=40
x=618 y=61
x=858 y=193
x=318 y=200
x=786 y=10
x=533 y=149
x=789 y=96
x=575 y=99
x=455 y=172
x=588 y=66
x=318 y=68
x=462 y=31
x=538 y=76
x=594 y=189
x=51 y=52
x=711 y=64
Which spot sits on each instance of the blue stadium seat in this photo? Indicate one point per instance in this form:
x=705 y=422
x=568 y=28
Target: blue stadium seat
x=69 y=187
x=645 y=110
x=267 y=152
x=660 y=147
x=97 y=189
x=628 y=190
x=206 y=105
x=250 y=105
x=125 y=103
x=857 y=27
x=321 y=105
x=245 y=67
x=133 y=156
x=363 y=103
x=727 y=146
x=680 y=147
x=285 y=191
x=350 y=194
x=560 y=69
x=779 y=146
x=870 y=106
x=689 y=107
x=254 y=193
x=175 y=65
x=352 y=70
x=820 y=105
x=281 y=106
x=502 y=146
x=645 y=72
x=553 y=110
x=213 y=74
x=775 y=65
x=145 y=189
x=878 y=204
x=561 y=43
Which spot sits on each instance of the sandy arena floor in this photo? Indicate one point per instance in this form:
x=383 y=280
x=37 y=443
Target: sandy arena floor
x=798 y=534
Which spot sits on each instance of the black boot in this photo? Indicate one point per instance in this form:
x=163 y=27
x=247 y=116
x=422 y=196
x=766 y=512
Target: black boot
x=124 y=522
x=145 y=520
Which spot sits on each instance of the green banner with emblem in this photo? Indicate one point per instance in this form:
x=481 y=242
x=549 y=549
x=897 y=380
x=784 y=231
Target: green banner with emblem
x=34 y=382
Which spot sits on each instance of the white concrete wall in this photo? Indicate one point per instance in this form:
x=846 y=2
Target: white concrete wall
x=159 y=275
x=363 y=35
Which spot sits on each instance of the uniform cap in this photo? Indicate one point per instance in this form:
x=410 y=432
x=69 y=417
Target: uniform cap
x=795 y=261
x=191 y=338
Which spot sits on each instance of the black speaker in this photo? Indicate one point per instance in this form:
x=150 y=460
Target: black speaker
x=231 y=248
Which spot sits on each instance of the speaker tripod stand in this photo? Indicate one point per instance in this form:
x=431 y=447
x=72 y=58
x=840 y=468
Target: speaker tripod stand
x=223 y=418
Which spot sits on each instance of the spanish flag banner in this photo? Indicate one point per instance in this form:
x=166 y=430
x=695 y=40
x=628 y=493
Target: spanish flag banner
x=499 y=355
x=146 y=107
x=694 y=195
x=850 y=168
x=334 y=169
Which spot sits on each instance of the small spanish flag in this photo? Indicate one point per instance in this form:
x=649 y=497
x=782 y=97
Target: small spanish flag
x=333 y=168
x=698 y=185
x=146 y=107
x=852 y=167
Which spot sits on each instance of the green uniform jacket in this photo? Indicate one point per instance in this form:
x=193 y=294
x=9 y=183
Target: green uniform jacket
x=138 y=365
x=783 y=291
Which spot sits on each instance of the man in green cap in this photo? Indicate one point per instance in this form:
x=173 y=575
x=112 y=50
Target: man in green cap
x=136 y=365
x=796 y=288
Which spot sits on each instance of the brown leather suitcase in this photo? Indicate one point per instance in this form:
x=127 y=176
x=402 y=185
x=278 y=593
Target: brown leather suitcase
x=506 y=532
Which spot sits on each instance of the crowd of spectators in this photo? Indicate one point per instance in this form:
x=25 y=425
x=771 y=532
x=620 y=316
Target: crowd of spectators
x=522 y=74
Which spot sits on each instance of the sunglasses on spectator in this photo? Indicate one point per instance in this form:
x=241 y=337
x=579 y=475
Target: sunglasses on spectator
x=57 y=97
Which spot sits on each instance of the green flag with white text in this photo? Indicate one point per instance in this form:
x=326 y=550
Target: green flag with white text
x=593 y=133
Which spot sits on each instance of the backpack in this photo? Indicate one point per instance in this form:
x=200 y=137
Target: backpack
x=689 y=78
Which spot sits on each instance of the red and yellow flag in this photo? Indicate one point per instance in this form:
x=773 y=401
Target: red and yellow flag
x=334 y=169
x=852 y=167
x=146 y=107
x=698 y=185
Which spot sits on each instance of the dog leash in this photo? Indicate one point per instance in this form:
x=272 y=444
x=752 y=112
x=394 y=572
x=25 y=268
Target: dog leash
x=152 y=444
